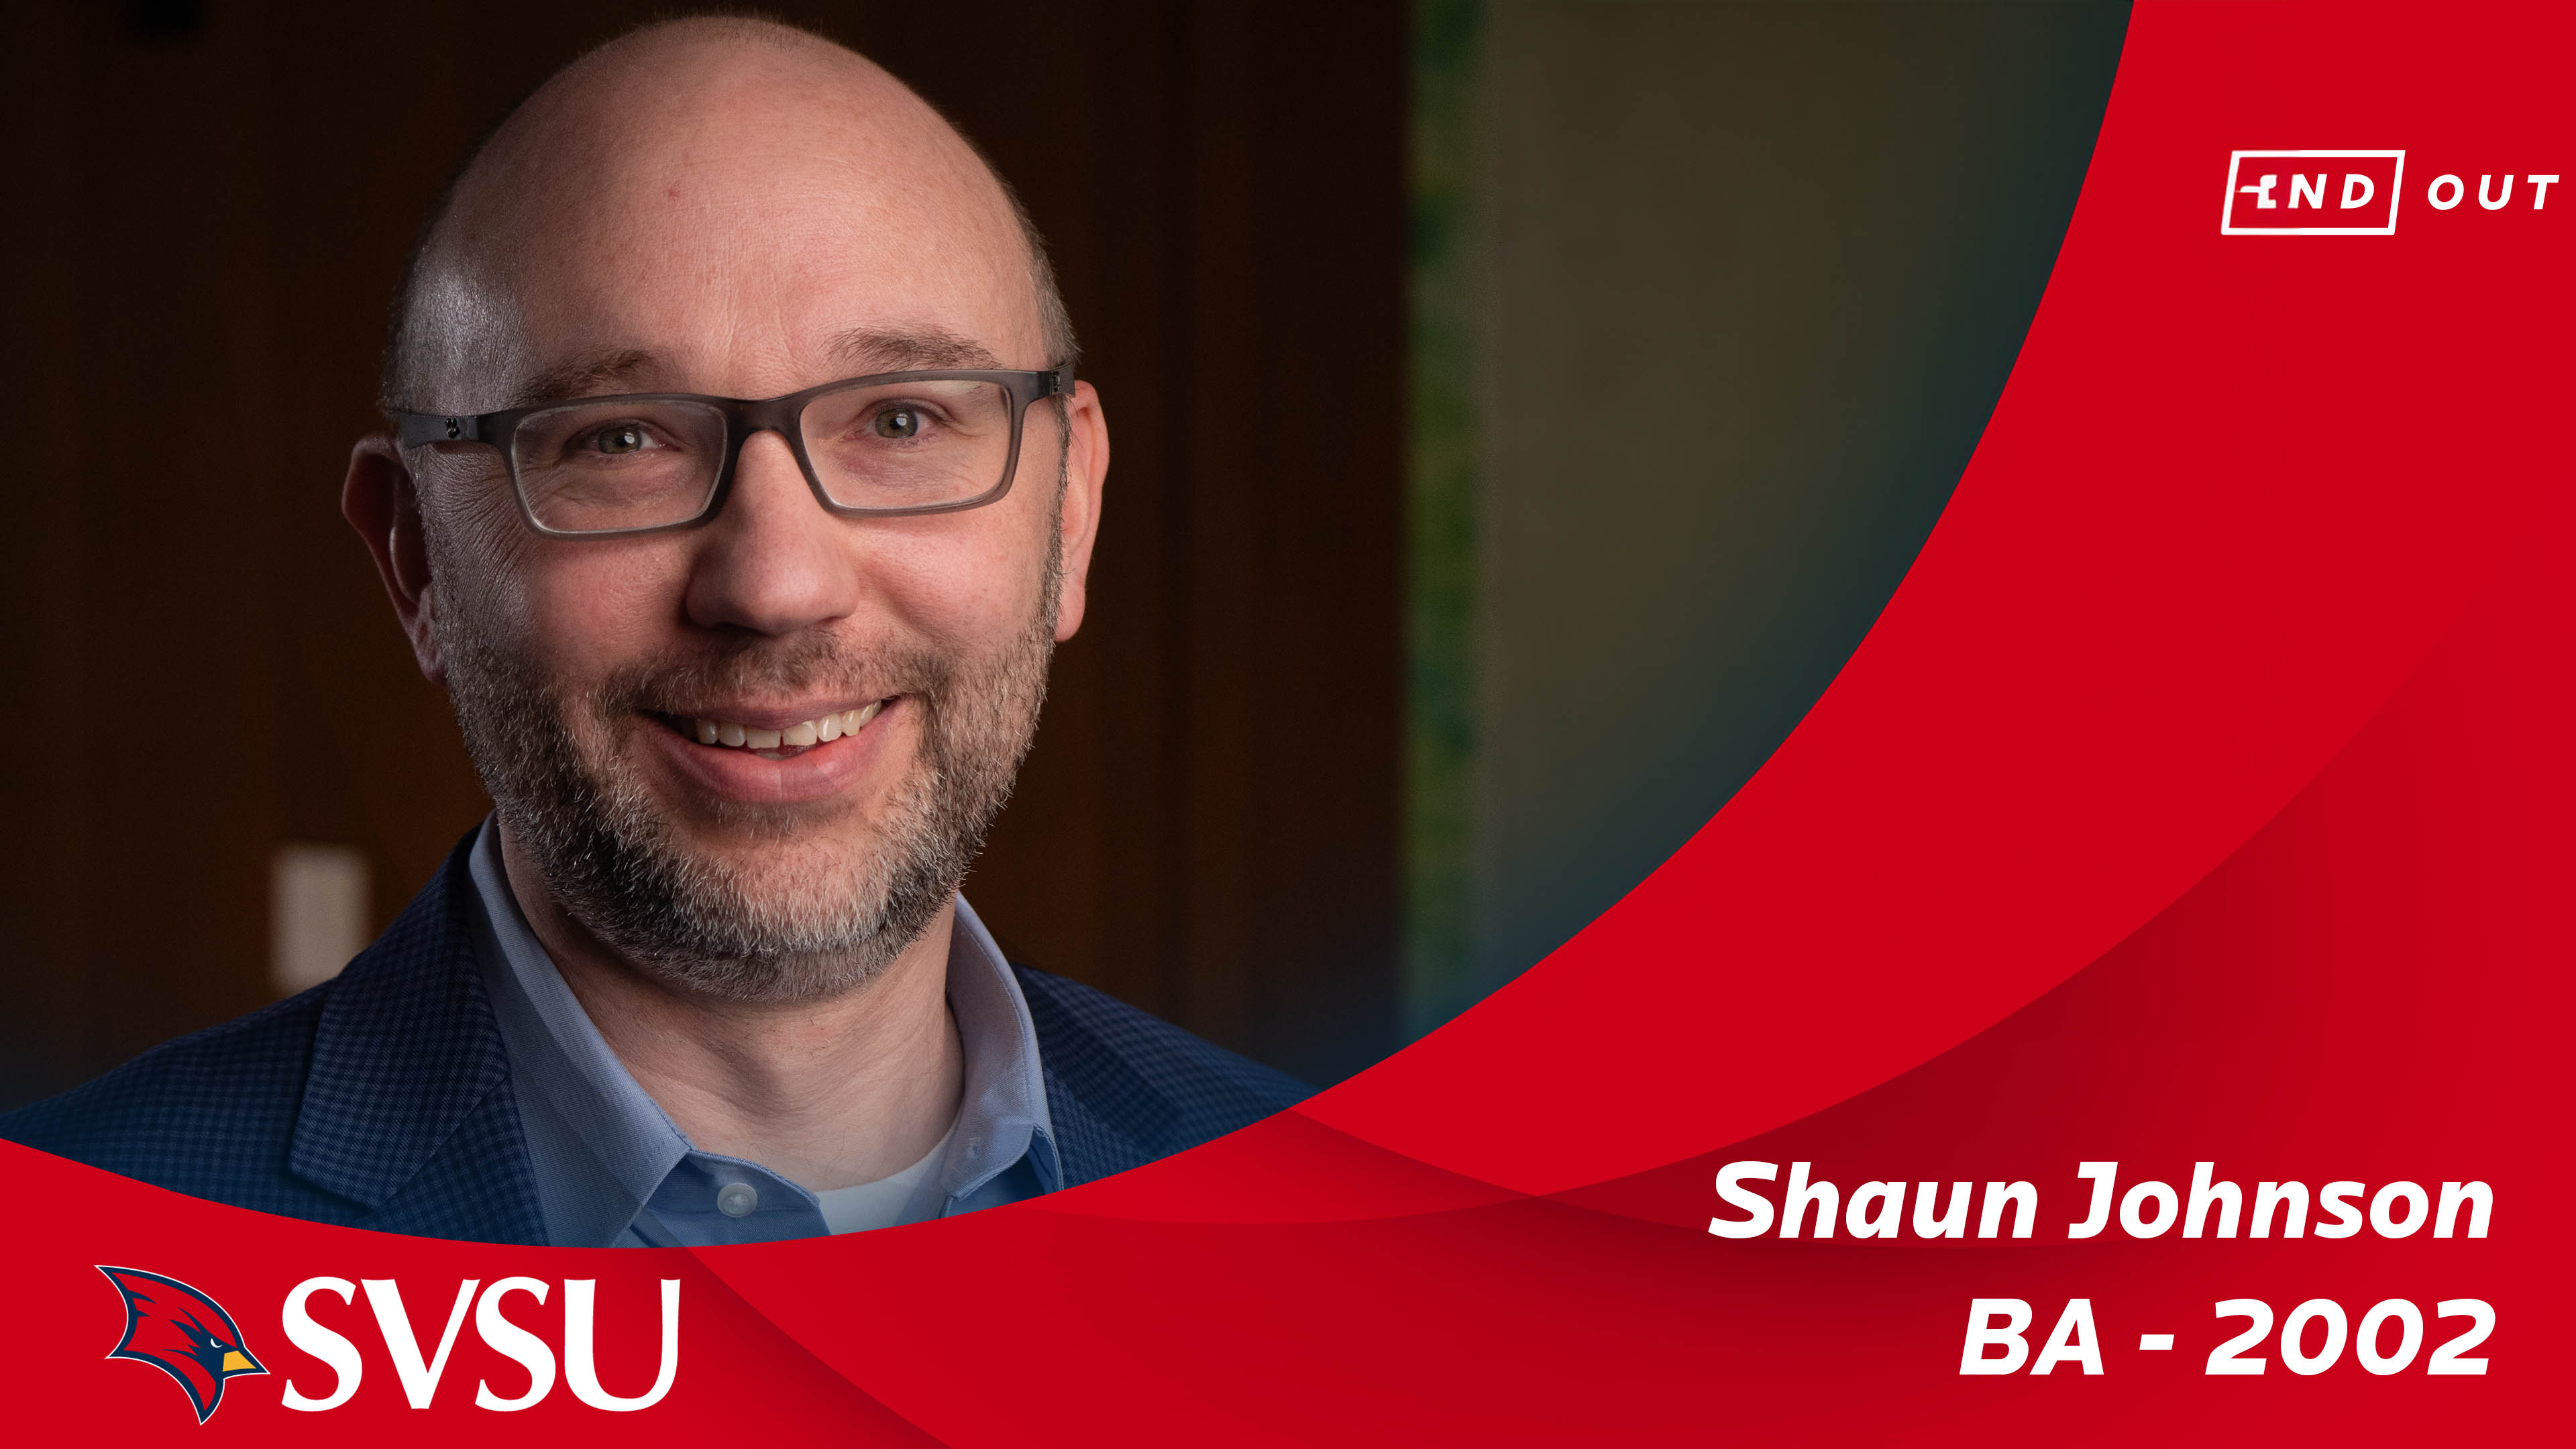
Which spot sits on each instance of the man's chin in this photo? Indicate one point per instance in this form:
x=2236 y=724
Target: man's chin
x=765 y=932
x=781 y=979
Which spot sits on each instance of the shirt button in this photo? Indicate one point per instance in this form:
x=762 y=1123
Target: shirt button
x=737 y=1199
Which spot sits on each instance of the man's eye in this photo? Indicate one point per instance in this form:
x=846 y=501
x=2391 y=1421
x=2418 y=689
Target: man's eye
x=622 y=438
x=896 y=423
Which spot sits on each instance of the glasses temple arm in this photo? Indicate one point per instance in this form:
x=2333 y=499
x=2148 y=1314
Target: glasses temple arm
x=412 y=430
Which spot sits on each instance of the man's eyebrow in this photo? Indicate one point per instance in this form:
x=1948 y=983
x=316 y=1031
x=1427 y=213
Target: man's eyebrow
x=591 y=375
x=857 y=352
x=863 y=350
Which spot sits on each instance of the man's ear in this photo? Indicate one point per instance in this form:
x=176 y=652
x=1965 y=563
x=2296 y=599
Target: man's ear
x=1086 y=467
x=380 y=502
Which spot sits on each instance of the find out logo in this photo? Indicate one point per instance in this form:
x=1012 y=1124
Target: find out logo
x=2312 y=193
x=2351 y=193
x=181 y=1332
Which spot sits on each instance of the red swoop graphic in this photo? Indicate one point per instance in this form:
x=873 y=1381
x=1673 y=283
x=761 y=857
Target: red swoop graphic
x=2185 y=855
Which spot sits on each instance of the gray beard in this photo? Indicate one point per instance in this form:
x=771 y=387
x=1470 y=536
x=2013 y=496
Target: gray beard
x=802 y=925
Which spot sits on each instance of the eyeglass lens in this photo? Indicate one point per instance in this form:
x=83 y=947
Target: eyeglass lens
x=592 y=467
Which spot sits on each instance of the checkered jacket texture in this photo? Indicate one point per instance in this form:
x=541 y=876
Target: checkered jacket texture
x=381 y=1099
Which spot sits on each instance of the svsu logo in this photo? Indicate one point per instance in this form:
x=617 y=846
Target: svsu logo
x=187 y=1335
x=2353 y=193
x=181 y=1332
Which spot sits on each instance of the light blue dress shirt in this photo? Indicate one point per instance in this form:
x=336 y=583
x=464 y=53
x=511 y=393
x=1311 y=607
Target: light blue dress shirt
x=613 y=1171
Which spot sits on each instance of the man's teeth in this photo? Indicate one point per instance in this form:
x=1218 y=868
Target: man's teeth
x=798 y=735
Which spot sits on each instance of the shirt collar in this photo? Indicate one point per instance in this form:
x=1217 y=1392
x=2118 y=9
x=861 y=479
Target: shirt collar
x=602 y=1148
x=1003 y=1115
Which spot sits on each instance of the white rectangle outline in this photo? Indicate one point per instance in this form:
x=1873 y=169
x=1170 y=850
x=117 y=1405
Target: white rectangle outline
x=2396 y=188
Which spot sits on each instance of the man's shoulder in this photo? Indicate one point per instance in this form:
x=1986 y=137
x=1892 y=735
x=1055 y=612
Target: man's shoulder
x=380 y=1098
x=1141 y=1078
x=208 y=1114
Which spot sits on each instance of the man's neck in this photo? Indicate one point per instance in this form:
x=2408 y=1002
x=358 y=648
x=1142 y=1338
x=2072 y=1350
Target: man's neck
x=829 y=1093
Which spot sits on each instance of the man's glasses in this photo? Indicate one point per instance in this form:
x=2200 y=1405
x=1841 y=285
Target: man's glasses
x=888 y=444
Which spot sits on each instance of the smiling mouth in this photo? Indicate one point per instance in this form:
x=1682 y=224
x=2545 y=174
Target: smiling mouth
x=778 y=744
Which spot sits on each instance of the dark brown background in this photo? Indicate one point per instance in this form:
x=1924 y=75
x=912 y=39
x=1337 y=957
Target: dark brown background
x=207 y=208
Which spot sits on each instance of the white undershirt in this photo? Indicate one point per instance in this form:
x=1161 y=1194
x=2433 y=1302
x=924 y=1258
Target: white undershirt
x=884 y=1202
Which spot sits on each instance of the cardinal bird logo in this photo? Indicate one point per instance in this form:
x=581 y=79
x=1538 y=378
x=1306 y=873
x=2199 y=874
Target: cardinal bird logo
x=181 y=1332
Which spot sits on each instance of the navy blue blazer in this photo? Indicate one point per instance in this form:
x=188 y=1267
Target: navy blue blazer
x=381 y=1098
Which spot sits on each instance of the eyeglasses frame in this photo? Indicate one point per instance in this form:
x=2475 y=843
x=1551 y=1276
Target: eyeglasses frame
x=743 y=418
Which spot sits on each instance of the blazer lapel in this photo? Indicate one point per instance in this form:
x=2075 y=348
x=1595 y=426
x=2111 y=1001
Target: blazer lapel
x=1088 y=1144
x=408 y=1071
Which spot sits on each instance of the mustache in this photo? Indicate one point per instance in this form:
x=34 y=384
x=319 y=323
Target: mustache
x=677 y=682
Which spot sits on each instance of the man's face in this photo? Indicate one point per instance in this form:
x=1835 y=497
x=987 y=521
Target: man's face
x=747 y=255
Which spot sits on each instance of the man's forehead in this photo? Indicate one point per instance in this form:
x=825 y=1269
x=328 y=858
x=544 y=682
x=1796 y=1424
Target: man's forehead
x=785 y=217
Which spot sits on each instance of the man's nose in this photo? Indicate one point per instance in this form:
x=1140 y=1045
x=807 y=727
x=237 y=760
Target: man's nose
x=773 y=561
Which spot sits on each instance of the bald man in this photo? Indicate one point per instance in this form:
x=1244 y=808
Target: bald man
x=737 y=489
